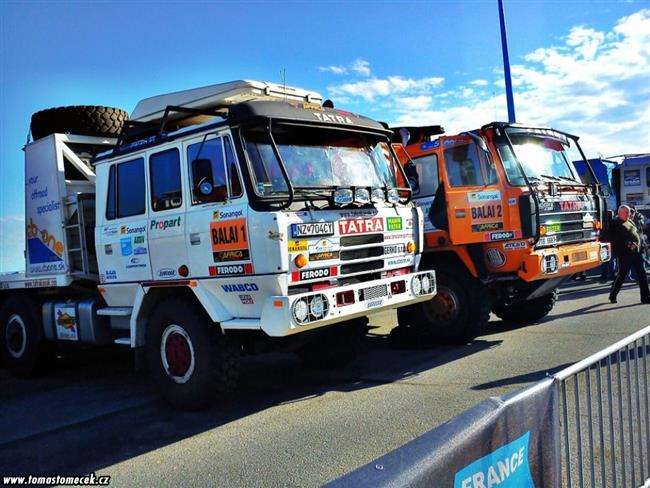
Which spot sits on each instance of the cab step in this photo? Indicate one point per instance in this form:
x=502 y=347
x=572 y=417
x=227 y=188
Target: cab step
x=115 y=311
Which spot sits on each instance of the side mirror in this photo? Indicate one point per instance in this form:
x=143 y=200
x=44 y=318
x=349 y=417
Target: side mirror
x=605 y=190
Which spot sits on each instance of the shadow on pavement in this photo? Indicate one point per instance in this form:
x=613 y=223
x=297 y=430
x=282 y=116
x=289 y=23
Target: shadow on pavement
x=92 y=410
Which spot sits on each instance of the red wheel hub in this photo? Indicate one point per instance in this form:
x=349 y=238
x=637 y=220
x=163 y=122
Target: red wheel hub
x=178 y=354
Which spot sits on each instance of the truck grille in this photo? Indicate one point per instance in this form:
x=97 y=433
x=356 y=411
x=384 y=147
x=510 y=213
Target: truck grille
x=348 y=241
x=361 y=267
x=568 y=220
x=366 y=252
x=374 y=292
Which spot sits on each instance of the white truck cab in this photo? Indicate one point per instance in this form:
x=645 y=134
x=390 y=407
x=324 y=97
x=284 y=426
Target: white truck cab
x=232 y=218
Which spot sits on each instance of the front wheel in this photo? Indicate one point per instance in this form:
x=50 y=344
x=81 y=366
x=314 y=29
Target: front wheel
x=190 y=361
x=458 y=312
x=529 y=311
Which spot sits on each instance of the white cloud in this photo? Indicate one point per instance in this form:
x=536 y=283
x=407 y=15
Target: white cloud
x=392 y=85
x=337 y=70
x=360 y=66
x=478 y=82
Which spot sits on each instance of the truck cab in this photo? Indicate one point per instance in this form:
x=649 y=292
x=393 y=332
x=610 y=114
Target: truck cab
x=239 y=217
x=509 y=219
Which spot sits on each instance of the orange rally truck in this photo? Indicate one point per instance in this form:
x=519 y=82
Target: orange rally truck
x=509 y=220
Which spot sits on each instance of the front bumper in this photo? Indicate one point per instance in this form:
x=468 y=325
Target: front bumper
x=278 y=317
x=570 y=259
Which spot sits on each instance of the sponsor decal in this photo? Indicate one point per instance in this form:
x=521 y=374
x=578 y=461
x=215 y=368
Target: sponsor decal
x=487 y=226
x=570 y=206
x=164 y=224
x=409 y=223
x=553 y=227
x=48 y=207
x=394 y=249
x=110 y=275
x=514 y=245
x=166 y=273
x=312 y=274
x=634 y=198
x=486 y=212
x=333 y=118
x=312 y=229
x=126 y=246
x=108 y=249
x=138 y=240
x=239 y=287
x=43 y=247
x=322 y=245
x=460 y=214
x=134 y=260
x=130 y=266
x=375 y=303
x=275 y=236
x=125 y=229
x=39 y=283
x=429 y=145
x=483 y=196
x=221 y=214
x=229 y=235
x=547 y=241
x=355 y=214
x=38 y=194
x=246 y=299
x=393 y=223
x=110 y=231
x=236 y=255
x=512 y=201
x=231 y=269
x=361 y=226
x=632 y=177
x=546 y=206
x=324 y=256
x=140 y=250
x=593 y=255
x=499 y=236
x=398 y=261
x=495 y=257
x=66 y=324
x=391 y=237
x=506 y=467
x=297 y=246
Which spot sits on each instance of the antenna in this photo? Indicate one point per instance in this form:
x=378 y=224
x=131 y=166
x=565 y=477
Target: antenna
x=283 y=76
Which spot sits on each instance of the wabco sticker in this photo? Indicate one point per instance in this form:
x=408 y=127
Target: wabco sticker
x=126 y=246
x=231 y=269
x=483 y=196
x=224 y=214
x=229 y=235
x=312 y=274
x=312 y=229
x=361 y=226
x=487 y=226
x=393 y=223
x=514 y=245
x=499 y=236
x=236 y=255
x=394 y=249
x=495 y=257
x=246 y=299
x=297 y=246
x=234 y=288
x=323 y=256
x=66 y=324
x=323 y=245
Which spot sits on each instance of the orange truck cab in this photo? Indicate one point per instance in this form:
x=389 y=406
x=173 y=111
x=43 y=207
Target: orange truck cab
x=509 y=220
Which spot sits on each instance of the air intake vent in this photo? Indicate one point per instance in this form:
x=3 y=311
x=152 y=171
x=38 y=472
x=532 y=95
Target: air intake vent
x=361 y=240
x=360 y=267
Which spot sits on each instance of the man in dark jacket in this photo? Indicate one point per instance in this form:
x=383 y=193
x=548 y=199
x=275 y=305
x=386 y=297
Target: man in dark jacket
x=626 y=246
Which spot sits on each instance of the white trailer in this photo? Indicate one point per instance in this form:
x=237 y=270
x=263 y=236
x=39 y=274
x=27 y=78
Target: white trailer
x=230 y=219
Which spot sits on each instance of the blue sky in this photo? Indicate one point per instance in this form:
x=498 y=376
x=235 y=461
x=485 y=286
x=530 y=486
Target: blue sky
x=580 y=66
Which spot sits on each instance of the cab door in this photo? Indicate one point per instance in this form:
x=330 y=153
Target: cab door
x=476 y=203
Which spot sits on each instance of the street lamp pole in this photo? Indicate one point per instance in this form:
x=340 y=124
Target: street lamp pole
x=506 y=64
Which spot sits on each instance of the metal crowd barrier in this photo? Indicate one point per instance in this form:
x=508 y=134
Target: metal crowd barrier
x=604 y=416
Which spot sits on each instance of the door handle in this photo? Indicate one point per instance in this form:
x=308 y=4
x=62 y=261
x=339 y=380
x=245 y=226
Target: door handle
x=195 y=239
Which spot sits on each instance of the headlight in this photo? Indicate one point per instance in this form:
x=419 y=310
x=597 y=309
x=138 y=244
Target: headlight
x=318 y=306
x=300 y=310
x=393 y=195
x=378 y=195
x=416 y=285
x=343 y=196
x=550 y=263
x=361 y=195
x=426 y=284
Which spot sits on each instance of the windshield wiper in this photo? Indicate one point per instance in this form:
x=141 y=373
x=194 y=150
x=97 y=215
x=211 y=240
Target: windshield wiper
x=551 y=177
x=572 y=180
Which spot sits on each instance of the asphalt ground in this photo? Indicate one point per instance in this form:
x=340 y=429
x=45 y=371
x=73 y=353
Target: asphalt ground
x=288 y=426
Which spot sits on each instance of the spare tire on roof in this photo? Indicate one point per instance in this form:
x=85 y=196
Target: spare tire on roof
x=83 y=120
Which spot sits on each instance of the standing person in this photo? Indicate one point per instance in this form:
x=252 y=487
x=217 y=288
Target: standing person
x=626 y=244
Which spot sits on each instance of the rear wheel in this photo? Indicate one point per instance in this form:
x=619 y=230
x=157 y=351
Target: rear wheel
x=191 y=362
x=334 y=347
x=458 y=312
x=21 y=336
x=83 y=120
x=529 y=311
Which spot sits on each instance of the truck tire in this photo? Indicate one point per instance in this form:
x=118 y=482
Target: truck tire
x=529 y=311
x=22 y=348
x=83 y=120
x=192 y=363
x=457 y=314
x=335 y=347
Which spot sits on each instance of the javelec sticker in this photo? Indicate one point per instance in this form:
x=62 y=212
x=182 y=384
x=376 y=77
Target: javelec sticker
x=361 y=226
x=231 y=269
x=393 y=223
x=487 y=226
x=229 y=235
x=297 y=246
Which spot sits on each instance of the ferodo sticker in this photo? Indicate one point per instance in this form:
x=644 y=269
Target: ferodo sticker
x=297 y=246
x=361 y=226
x=231 y=269
x=229 y=235
x=313 y=274
x=66 y=323
x=500 y=236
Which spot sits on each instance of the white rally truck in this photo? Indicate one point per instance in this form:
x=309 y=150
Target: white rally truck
x=235 y=218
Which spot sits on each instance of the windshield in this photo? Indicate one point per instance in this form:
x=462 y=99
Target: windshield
x=317 y=158
x=542 y=158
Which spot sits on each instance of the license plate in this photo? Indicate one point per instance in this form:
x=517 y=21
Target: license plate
x=579 y=256
x=313 y=229
x=394 y=249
